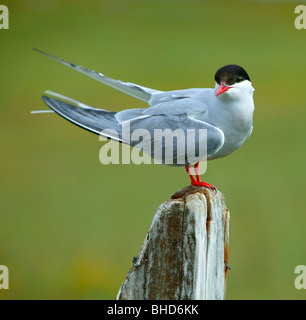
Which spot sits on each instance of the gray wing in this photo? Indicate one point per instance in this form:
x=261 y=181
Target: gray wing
x=187 y=101
x=179 y=132
x=91 y=119
x=134 y=90
x=144 y=131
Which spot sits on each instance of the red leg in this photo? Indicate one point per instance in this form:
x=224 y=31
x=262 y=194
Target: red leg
x=196 y=169
x=197 y=182
x=193 y=180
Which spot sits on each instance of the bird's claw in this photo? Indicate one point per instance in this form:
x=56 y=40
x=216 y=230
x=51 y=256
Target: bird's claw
x=204 y=184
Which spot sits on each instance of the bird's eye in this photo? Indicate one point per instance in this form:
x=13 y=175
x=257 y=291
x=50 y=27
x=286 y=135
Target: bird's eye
x=239 y=79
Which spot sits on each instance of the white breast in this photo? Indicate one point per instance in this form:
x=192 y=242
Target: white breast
x=235 y=118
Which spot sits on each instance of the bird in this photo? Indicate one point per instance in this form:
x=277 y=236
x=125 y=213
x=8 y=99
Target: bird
x=225 y=112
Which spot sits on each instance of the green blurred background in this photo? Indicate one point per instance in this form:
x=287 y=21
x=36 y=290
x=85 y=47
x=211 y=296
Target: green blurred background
x=69 y=226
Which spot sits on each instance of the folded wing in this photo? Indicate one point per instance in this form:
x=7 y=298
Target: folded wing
x=154 y=134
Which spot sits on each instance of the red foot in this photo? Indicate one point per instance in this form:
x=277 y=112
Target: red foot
x=197 y=182
x=202 y=184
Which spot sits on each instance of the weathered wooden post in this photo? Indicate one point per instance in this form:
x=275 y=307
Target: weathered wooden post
x=185 y=253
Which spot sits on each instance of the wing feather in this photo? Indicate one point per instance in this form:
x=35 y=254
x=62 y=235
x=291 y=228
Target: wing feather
x=132 y=89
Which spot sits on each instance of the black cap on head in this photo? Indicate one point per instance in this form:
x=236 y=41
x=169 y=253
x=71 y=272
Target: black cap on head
x=231 y=74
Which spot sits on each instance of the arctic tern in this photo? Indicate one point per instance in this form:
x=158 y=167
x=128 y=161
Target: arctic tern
x=225 y=112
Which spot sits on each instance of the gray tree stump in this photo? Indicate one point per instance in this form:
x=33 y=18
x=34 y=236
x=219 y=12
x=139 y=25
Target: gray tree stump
x=185 y=253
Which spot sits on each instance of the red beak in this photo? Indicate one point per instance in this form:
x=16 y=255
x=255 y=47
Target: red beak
x=222 y=89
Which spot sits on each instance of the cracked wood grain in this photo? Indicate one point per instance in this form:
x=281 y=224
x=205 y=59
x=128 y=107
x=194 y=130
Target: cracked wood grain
x=184 y=253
